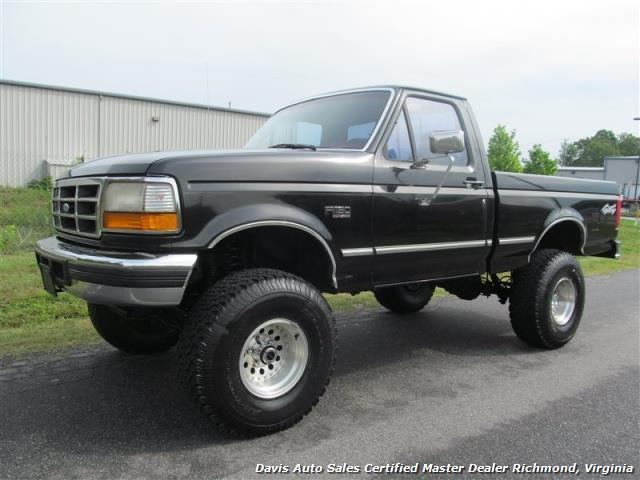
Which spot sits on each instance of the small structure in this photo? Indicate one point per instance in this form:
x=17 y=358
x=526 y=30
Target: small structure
x=625 y=171
x=44 y=130
x=592 y=173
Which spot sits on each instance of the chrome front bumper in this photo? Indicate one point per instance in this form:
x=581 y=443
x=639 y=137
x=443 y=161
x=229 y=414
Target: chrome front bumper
x=114 y=278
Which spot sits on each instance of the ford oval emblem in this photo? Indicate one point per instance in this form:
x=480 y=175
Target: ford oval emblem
x=65 y=207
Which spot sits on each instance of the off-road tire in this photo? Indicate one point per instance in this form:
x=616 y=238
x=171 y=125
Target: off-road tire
x=530 y=303
x=216 y=330
x=405 y=298
x=137 y=332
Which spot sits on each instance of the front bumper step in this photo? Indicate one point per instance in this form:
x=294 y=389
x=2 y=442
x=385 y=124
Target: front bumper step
x=114 y=278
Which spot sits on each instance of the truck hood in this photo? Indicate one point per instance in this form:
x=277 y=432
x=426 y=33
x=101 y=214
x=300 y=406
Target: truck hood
x=129 y=164
x=278 y=165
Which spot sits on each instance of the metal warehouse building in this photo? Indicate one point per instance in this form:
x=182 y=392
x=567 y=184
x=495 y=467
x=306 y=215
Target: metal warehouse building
x=45 y=129
x=625 y=171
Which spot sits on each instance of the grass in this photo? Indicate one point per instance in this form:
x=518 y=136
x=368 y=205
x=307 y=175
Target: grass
x=629 y=234
x=24 y=218
x=32 y=320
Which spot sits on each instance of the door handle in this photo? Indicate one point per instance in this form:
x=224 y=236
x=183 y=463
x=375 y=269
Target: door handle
x=472 y=182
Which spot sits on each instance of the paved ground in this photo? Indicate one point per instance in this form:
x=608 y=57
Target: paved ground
x=451 y=384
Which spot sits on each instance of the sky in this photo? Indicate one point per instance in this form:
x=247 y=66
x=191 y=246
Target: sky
x=551 y=70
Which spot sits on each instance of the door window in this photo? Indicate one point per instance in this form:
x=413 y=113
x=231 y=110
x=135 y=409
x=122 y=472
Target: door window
x=398 y=147
x=428 y=116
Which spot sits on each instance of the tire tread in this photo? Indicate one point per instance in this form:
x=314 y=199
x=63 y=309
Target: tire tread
x=527 y=297
x=207 y=323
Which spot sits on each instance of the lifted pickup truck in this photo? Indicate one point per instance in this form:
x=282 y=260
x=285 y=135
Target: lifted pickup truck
x=227 y=253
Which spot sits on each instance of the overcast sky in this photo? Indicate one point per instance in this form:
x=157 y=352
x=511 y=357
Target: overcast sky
x=549 y=69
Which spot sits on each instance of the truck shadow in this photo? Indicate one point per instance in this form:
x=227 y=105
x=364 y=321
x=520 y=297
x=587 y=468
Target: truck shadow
x=113 y=402
x=378 y=337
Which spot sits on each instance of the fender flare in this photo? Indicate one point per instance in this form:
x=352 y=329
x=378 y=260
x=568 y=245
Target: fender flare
x=247 y=218
x=559 y=216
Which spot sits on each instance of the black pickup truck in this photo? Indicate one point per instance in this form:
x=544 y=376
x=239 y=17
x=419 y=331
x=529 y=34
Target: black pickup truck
x=383 y=189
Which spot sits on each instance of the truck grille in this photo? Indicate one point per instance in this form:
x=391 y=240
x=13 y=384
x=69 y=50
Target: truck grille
x=76 y=206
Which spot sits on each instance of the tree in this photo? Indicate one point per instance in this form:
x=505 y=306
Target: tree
x=628 y=144
x=590 y=151
x=504 y=151
x=540 y=162
x=568 y=153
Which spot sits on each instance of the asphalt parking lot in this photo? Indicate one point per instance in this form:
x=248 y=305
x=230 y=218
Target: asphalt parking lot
x=451 y=384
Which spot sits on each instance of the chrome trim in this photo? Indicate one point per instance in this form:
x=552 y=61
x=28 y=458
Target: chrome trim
x=147 y=179
x=58 y=200
x=357 y=252
x=278 y=187
x=280 y=223
x=66 y=252
x=127 y=296
x=417 y=190
x=334 y=187
x=119 y=262
x=103 y=182
x=551 y=194
x=516 y=240
x=555 y=222
x=425 y=247
x=374 y=132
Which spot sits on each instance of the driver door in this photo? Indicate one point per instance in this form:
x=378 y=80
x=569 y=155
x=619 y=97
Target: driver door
x=416 y=236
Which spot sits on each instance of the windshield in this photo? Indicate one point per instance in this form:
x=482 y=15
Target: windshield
x=339 y=121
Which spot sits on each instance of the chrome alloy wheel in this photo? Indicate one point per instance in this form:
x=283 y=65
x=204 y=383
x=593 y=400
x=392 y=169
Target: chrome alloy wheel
x=563 y=301
x=273 y=358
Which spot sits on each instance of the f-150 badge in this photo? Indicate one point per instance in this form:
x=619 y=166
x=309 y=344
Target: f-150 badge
x=608 y=209
x=337 y=211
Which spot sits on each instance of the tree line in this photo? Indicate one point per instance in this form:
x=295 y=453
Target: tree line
x=504 y=152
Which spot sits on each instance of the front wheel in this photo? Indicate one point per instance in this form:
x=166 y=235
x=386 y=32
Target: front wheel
x=409 y=298
x=257 y=351
x=547 y=299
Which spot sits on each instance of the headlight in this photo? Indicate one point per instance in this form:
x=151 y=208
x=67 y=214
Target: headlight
x=149 y=206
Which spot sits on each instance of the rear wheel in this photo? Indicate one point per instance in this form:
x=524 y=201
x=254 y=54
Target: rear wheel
x=257 y=350
x=136 y=331
x=547 y=299
x=409 y=298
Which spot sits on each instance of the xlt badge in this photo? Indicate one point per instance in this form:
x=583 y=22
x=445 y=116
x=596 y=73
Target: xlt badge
x=337 y=211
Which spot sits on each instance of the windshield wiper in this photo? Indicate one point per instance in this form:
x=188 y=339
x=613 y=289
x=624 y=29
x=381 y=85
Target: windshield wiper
x=294 y=146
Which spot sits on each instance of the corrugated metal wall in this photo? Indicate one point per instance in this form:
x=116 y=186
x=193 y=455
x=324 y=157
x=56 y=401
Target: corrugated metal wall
x=41 y=125
x=578 y=173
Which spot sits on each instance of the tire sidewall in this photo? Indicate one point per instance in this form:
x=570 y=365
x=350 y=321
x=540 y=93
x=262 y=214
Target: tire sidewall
x=225 y=379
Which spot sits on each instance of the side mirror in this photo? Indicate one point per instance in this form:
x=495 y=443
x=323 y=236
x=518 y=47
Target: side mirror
x=443 y=142
x=447 y=142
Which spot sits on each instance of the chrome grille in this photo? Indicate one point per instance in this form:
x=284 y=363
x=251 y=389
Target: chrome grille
x=76 y=206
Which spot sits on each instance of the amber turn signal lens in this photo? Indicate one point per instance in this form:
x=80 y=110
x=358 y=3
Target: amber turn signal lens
x=159 y=222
